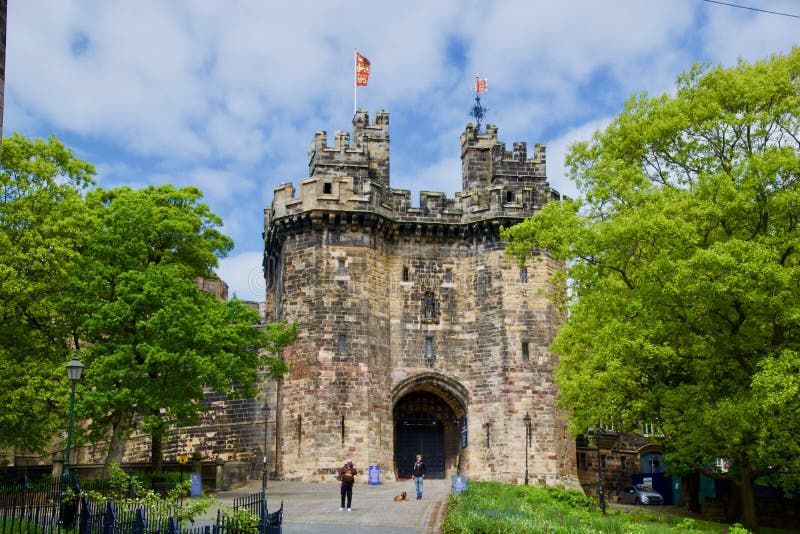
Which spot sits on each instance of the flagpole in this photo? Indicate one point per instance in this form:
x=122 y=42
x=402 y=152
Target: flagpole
x=355 y=81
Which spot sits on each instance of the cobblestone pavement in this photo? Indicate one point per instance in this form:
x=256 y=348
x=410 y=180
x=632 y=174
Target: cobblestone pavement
x=314 y=507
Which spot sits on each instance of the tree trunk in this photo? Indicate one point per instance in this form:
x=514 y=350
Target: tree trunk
x=116 y=447
x=156 y=454
x=747 y=493
x=689 y=497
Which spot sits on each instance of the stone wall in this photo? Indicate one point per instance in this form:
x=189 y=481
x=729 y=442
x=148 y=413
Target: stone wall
x=233 y=430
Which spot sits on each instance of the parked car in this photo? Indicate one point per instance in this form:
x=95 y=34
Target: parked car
x=640 y=495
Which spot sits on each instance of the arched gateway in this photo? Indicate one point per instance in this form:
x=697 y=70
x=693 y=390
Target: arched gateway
x=416 y=334
x=428 y=415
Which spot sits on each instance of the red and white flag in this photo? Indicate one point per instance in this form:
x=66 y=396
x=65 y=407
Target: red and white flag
x=362 y=70
x=480 y=85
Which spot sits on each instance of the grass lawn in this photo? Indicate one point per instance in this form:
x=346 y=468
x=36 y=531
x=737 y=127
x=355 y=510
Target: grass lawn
x=492 y=507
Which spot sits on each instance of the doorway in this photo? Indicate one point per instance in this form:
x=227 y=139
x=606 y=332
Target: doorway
x=420 y=420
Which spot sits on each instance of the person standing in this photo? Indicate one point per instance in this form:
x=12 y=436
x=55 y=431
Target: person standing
x=347 y=477
x=418 y=472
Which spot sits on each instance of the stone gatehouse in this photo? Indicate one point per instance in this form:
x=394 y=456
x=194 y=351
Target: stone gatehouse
x=416 y=333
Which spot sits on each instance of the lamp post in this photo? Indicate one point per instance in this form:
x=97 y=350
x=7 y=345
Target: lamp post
x=74 y=371
x=527 y=420
x=262 y=526
x=599 y=434
x=267 y=410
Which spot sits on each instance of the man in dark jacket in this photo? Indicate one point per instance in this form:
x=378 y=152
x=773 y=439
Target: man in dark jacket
x=418 y=473
x=347 y=477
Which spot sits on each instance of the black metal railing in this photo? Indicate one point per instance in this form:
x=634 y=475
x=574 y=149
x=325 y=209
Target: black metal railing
x=256 y=504
x=63 y=506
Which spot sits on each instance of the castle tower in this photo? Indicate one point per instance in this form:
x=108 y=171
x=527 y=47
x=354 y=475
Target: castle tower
x=416 y=333
x=365 y=158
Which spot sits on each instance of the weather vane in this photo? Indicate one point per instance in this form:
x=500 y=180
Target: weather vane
x=478 y=111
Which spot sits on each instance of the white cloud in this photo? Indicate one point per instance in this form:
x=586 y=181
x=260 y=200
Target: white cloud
x=244 y=275
x=227 y=96
x=557 y=173
x=734 y=33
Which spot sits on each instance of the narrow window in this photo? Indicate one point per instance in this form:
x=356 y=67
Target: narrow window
x=342 y=343
x=623 y=466
x=602 y=461
x=523 y=275
x=341 y=267
x=582 y=460
x=405 y=273
x=509 y=196
x=525 y=352
x=429 y=351
x=448 y=275
x=327 y=188
x=299 y=430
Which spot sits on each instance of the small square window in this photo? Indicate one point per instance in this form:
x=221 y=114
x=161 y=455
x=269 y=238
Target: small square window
x=342 y=343
x=327 y=188
x=525 y=352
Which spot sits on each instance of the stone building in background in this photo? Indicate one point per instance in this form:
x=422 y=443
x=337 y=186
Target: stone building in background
x=417 y=334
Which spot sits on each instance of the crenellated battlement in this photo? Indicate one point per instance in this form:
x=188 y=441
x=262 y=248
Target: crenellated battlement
x=365 y=157
x=353 y=176
x=485 y=160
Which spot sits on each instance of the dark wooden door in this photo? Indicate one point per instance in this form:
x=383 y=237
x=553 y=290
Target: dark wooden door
x=419 y=429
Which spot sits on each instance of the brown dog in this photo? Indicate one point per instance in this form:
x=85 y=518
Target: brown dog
x=400 y=497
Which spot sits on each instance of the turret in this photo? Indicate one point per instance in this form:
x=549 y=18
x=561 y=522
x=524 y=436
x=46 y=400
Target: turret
x=476 y=156
x=485 y=162
x=375 y=138
x=364 y=157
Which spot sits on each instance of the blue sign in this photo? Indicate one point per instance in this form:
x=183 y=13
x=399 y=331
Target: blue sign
x=374 y=475
x=459 y=483
x=197 y=485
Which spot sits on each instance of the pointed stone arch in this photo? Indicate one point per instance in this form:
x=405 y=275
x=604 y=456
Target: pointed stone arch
x=449 y=389
x=428 y=410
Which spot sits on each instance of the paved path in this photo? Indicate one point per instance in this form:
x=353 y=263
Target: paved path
x=314 y=507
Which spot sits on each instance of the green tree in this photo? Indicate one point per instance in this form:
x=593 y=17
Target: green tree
x=154 y=340
x=43 y=224
x=682 y=256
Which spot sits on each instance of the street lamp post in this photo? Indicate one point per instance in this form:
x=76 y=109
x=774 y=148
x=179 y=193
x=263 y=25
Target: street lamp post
x=527 y=420
x=267 y=410
x=599 y=434
x=74 y=371
x=264 y=512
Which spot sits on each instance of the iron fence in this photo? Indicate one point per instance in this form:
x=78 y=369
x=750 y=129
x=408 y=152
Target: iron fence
x=63 y=506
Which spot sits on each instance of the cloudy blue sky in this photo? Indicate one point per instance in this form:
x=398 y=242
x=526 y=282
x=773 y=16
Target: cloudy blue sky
x=226 y=94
